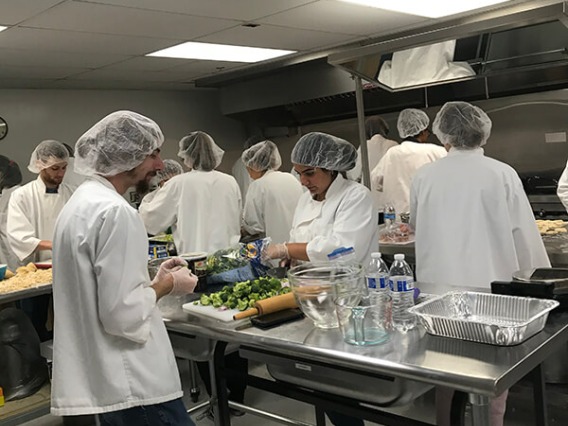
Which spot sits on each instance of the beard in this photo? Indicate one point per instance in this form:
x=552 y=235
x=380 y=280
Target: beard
x=142 y=187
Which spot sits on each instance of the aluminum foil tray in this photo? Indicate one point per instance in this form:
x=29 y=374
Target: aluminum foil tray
x=483 y=317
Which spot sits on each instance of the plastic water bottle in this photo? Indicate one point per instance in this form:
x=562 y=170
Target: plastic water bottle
x=389 y=215
x=377 y=274
x=401 y=280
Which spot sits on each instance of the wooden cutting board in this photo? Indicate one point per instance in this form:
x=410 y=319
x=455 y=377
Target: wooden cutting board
x=210 y=311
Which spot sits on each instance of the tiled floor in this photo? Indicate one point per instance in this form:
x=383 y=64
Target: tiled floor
x=519 y=408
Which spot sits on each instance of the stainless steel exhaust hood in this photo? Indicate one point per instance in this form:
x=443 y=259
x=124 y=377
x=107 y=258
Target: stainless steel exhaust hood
x=521 y=38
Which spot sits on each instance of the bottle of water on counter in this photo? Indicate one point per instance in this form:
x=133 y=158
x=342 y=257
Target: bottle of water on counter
x=401 y=280
x=389 y=215
x=377 y=274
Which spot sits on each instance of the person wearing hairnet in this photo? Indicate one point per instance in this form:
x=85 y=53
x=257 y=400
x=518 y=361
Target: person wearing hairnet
x=34 y=207
x=272 y=195
x=376 y=130
x=112 y=355
x=393 y=174
x=473 y=221
x=203 y=206
x=335 y=212
x=171 y=168
x=10 y=180
x=239 y=170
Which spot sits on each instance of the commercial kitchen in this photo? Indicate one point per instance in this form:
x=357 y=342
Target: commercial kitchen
x=68 y=63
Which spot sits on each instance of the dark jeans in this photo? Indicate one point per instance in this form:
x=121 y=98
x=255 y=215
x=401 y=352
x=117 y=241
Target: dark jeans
x=235 y=385
x=171 y=413
x=339 y=419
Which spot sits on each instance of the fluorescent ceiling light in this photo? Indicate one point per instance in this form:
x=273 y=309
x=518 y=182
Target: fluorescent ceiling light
x=429 y=9
x=219 y=52
x=2 y=28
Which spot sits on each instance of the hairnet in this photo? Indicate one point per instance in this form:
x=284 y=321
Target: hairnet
x=119 y=142
x=200 y=152
x=324 y=151
x=253 y=140
x=375 y=125
x=48 y=153
x=462 y=125
x=171 y=169
x=262 y=156
x=411 y=121
x=10 y=173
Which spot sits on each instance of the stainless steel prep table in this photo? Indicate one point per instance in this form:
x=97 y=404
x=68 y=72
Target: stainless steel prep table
x=480 y=370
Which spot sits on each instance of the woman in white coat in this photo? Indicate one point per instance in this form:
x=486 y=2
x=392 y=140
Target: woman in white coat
x=10 y=179
x=334 y=212
x=203 y=206
x=272 y=195
x=473 y=221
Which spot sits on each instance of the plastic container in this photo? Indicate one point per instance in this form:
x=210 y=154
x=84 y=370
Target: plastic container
x=401 y=281
x=317 y=285
x=365 y=320
x=377 y=274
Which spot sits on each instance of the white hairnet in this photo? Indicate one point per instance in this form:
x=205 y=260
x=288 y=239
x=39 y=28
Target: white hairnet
x=462 y=125
x=324 y=151
x=171 y=169
x=262 y=156
x=411 y=121
x=200 y=152
x=48 y=153
x=118 y=143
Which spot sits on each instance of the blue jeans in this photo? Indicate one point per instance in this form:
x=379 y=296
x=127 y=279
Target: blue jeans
x=171 y=413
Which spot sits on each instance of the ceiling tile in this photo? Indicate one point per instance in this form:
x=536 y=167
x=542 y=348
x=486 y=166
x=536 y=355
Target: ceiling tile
x=146 y=63
x=15 y=11
x=110 y=74
x=104 y=19
x=346 y=18
x=245 y=10
x=40 y=73
x=43 y=58
x=277 y=38
x=84 y=43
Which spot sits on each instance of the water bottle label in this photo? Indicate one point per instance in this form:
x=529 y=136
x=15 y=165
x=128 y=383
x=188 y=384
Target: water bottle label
x=389 y=216
x=401 y=285
x=383 y=283
x=371 y=282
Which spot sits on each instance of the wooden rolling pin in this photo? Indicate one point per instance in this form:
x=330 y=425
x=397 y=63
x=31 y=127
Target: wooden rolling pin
x=272 y=304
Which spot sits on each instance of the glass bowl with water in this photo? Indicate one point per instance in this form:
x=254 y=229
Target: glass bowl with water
x=317 y=285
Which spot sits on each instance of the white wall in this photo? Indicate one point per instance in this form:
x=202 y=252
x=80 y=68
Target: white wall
x=64 y=115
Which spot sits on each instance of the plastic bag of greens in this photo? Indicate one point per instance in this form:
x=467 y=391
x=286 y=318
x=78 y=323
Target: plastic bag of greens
x=237 y=264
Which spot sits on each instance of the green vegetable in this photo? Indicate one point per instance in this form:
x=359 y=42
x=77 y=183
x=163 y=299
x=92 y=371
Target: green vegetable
x=245 y=294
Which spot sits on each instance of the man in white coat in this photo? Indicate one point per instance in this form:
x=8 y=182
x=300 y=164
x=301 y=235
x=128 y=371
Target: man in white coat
x=32 y=212
x=35 y=206
x=112 y=355
x=239 y=170
x=273 y=195
x=393 y=175
x=203 y=206
x=473 y=221
x=10 y=180
x=376 y=130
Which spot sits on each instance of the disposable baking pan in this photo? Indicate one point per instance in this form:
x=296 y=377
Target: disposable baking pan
x=484 y=317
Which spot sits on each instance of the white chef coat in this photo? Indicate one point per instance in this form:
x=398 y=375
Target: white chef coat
x=562 y=190
x=7 y=256
x=474 y=224
x=31 y=218
x=270 y=205
x=393 y=175
x=72 y=178
x=203 y=209
x=111 y=349
x=344 y=219
x=377 y=147
x=241 y=175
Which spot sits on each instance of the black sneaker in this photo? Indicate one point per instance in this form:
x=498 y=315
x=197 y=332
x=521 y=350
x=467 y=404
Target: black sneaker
x=236 y=413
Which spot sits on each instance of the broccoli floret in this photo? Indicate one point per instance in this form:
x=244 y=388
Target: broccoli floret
x=205 y=300
x=275 y=284
x=224 y=296
x=255 y=288
x=242 y=304
x=241 y=289
x=254 y=296
x=285 y=290
x=251 y=303
x=216 y=300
